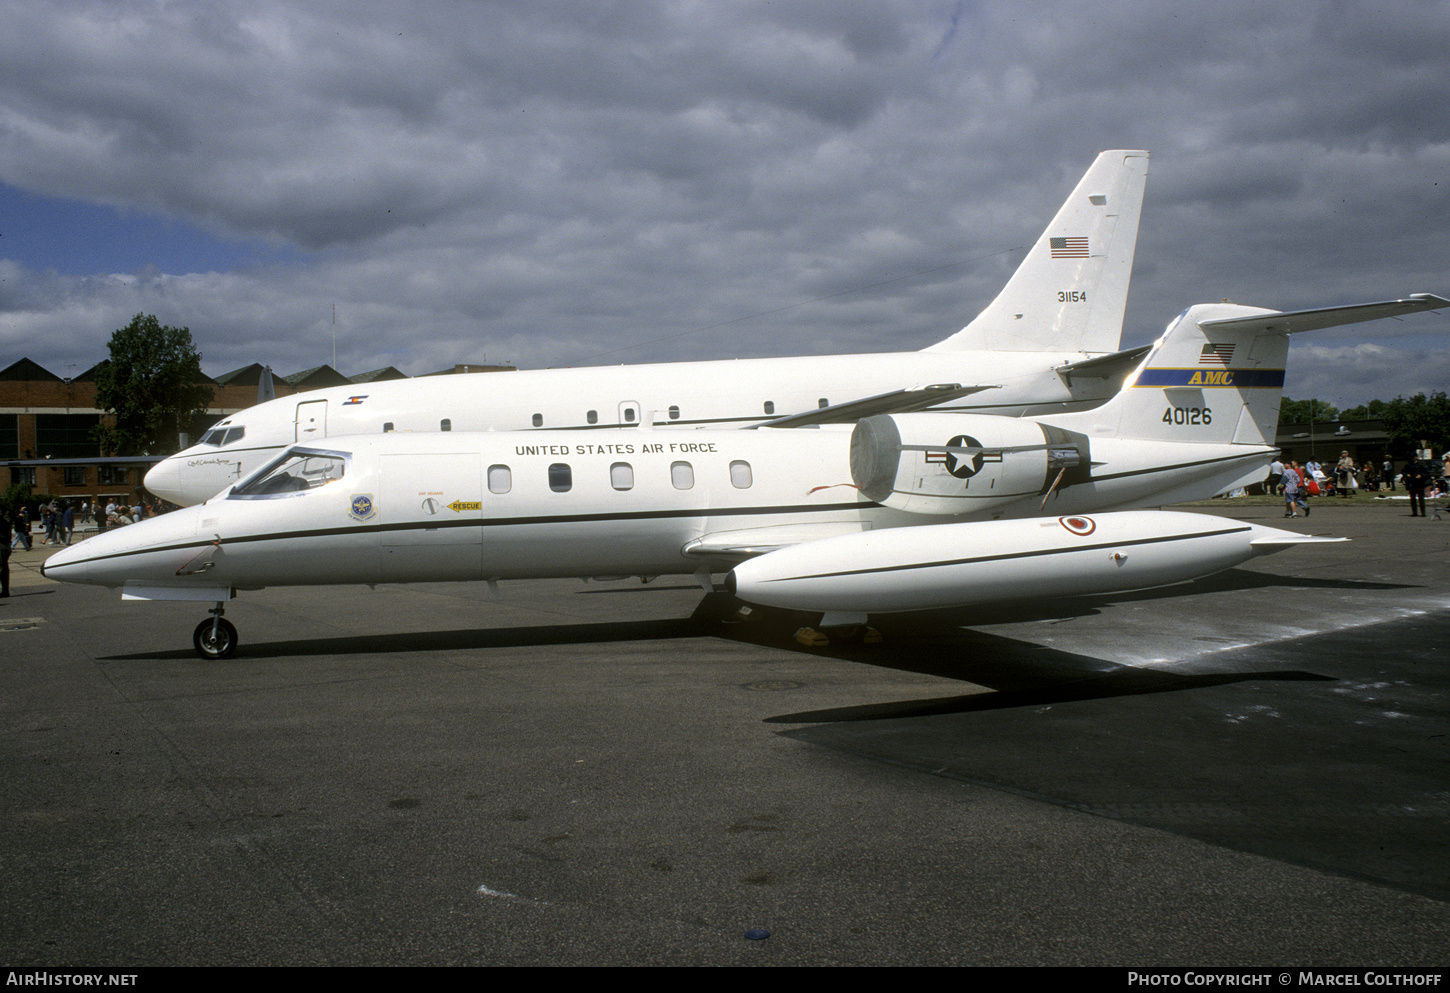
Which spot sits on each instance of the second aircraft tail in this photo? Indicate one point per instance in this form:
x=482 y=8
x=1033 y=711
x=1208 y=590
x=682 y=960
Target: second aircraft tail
x=1070 y=292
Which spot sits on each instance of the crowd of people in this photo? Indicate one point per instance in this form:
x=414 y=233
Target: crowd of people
x=58 y=520
x=1422 y=477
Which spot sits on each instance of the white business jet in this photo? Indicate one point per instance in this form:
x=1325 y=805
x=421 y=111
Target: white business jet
x=1046 y=343
x=828 y=519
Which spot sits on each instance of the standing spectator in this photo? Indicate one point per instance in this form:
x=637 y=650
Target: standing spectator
x=1276 y=476
x=6 y=535
x=23 y=528
x=1416 y=479
x=68 y=521
x=1344 y=475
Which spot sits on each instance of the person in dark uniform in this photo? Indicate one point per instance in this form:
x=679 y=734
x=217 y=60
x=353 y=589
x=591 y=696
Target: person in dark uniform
x=1416 y=479
x=7 y=534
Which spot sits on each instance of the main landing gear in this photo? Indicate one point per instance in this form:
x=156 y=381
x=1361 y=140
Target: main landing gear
x=216 y=638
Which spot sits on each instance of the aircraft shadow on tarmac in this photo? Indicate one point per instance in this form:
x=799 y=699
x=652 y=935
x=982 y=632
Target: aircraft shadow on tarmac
x=457 y=640
x=938 y=643
x=1021 y=673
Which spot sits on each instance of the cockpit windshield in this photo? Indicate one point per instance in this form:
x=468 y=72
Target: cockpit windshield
x=223 y=434
x=297 y=470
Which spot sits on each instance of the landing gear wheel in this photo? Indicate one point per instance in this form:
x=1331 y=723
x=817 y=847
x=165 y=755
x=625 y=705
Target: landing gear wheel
x=214 y=639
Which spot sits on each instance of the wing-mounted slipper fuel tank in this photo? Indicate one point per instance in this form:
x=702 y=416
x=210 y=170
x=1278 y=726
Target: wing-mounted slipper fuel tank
x=970 y=563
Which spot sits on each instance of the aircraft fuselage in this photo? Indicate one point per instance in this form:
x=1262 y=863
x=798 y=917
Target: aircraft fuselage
x=677 y=395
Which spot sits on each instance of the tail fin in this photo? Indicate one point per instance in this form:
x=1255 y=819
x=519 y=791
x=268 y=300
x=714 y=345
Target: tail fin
x=1204 y=385
x=1070 y=293
x=1217 y=374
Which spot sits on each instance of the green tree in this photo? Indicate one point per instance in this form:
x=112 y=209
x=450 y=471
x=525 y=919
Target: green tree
x=1373 y=410
x=1408 y=421
x=1305 y=412
x=152 y=386
x=16 y=495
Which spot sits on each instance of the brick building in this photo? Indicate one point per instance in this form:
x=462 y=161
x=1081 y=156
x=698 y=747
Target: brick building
x=47 y=419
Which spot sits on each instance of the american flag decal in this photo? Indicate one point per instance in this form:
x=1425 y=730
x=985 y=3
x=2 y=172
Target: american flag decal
x=1216 y=355
x=1068 y=248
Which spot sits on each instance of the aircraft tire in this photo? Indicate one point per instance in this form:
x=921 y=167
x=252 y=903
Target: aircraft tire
x=218 y=646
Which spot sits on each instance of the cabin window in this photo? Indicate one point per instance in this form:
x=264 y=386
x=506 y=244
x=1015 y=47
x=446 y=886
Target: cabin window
x=387 y=426
x=770 y=406
x=674 y=413
x=561 y=477
x=823 y=403
x=621 y=476
x=445 y=425
x=500 y=479
x=740 y=476
x=682 y=474
x=629 y=415
x=592 y=417
x=538 y=420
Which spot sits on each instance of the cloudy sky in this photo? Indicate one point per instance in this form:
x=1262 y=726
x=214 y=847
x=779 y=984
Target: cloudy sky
x=581 y=183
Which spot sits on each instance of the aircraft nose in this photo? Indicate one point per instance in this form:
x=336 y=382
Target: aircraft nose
x=64 y=564
x=164 y=480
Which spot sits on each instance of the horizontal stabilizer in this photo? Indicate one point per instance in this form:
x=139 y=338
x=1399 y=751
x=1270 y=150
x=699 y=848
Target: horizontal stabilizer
x=1104 y=366
x=1293 y=321
x=895 y=402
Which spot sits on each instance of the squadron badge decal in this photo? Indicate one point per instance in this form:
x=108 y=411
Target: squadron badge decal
x=361 y=507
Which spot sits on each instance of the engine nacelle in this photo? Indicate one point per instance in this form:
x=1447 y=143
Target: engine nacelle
x=954 y=464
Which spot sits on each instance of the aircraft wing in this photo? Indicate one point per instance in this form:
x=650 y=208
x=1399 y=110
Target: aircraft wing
x=895 y=402
x=1291 y=321
x=750 y=542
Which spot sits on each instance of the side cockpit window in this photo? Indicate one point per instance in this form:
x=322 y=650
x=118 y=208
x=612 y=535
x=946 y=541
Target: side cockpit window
x=296 y=471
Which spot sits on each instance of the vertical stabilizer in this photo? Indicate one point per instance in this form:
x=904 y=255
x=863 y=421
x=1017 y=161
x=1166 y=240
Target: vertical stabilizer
x=1070 y=292
x=1217 y=374
x=1200 y=383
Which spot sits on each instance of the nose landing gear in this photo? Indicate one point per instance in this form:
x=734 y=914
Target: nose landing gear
x=216 y=638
